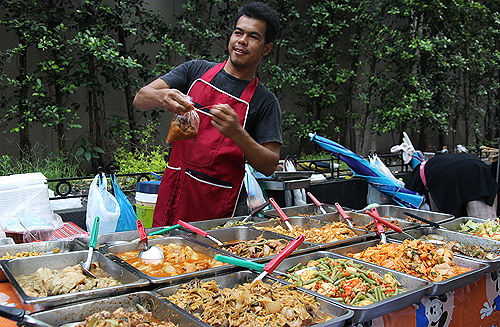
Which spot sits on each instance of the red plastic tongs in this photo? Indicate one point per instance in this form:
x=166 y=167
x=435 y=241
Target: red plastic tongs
x=282 y=214
x=374 y=214
x=344 y=215
x=199 y=232
x=271 y=265
x=317 y=203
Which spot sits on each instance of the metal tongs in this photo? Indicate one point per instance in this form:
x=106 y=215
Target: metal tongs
x=282 y=214
x=344 y=215
x=317 y=203
x=374 y=214
x=199 y=232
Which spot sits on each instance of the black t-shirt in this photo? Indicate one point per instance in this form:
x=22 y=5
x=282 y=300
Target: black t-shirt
x=264 y=114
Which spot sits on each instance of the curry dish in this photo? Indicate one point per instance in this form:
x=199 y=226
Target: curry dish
x=178 y=259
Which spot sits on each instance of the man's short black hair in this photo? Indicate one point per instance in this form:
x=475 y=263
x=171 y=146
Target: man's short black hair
x=265 y=13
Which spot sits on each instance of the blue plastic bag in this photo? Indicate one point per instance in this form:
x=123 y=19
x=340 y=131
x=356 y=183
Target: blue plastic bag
x=128 y=217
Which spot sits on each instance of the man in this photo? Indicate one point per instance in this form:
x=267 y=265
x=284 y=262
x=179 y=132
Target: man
x=203 y=178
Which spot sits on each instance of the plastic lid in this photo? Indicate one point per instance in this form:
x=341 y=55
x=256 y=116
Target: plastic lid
x=150 y=187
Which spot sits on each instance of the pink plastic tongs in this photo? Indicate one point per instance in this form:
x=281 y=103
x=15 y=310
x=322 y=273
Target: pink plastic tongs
x=344 y=215
x=282 y=214
x=199 y=232
x=374 y=214
x=317 y=203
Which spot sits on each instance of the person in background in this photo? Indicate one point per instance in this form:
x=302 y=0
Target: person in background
x=203 y=178
x=460 y=184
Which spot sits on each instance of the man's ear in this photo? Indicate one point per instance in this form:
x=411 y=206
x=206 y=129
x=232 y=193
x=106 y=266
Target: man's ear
x=267 y=48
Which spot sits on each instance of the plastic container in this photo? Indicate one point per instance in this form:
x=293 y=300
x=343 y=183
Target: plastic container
x=145 y=201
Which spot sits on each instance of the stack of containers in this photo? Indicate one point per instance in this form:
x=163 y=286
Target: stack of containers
x=145 y=201
x=25 y=198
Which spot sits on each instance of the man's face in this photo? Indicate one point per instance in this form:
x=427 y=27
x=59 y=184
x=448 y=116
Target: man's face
x=247 y=45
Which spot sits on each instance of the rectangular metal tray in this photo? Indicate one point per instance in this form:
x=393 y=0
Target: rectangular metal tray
x=415 y=288
x=243 y=233
x=454 y=225
x=160 y=309
x=117 y=238
x=438 y=288
x=309 y=210
x=459 y=237
x=360 y=219
x=241 y=277
x=397 y=212
x=112 y=250
x=22 y=266
x=208 y=225
x=291 y=175
x=47 y=247
x=285 y=185
x=307 y=223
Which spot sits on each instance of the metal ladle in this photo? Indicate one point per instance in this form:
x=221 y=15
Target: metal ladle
x=148 y=253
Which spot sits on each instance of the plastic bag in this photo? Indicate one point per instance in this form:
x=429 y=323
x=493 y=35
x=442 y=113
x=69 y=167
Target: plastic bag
x=184 y=126
x=255 y=194
x=299 y=195
x=128 y=216
x=102 y=204
x=34 y=213
x=375 y=196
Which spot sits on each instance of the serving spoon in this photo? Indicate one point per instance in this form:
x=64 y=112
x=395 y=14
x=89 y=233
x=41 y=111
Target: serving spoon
x=148 y=253
x=92 y=245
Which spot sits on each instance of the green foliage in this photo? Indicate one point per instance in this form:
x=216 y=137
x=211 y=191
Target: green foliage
x=87 y=151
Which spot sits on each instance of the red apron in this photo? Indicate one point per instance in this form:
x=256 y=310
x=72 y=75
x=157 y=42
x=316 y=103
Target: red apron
x=204 y=175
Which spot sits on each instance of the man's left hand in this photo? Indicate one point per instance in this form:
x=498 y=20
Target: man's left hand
x=226 y=120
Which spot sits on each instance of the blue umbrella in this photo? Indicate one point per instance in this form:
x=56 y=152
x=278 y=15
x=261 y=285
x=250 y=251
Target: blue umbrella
x=366 y=170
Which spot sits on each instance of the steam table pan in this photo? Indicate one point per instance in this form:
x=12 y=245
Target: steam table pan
x=105 y=240
x=308 y=210
x=163 y=310
x=415 y=288
x=438 y=288
x=307 y=223
x=360 y=219
x=211 y=252
x=239 y=278
x=47 y=247
x=212 y=224
x=392 y=211
x=21 y=266
x=461 y=238
x=454 y=225
x=243 y=233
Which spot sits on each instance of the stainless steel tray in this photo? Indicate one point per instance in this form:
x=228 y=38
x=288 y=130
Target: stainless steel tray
x=459 y=237
x=360 y=219
x=307 y=223
x=285 y=185
x=292 y=175
x=397 y=212
x=241 y=277
x=211 y=224
x=112 y=250
x=308 y=210
x=163 y=310
x=243 y=233
x=47 y=247
x=414 y=287
x=454 y=225
x=438 y=288
x=21 y=266
x=117 y=238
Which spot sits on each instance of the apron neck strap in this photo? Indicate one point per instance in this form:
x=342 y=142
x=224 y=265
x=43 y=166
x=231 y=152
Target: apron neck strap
x=247 y=93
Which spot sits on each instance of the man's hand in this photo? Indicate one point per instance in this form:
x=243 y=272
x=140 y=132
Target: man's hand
x=157 y=94
x=226 y=120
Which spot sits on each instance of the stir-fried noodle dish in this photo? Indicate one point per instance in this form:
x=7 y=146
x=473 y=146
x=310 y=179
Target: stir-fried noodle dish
x=250 y=304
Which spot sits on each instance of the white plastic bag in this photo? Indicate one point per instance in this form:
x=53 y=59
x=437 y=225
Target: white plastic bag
x=102 y=204
x=254 y=192
x=374 y=195
x=299 y=195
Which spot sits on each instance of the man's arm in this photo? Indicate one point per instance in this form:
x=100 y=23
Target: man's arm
x=262 y=157
x=159 y=94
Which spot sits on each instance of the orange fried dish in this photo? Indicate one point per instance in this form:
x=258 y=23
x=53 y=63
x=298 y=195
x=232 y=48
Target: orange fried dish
x=414 y=257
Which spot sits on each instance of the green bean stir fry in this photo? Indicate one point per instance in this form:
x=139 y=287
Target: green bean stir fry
x=345 y=281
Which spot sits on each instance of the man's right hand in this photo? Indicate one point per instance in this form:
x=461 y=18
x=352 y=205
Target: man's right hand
x=159 y=94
